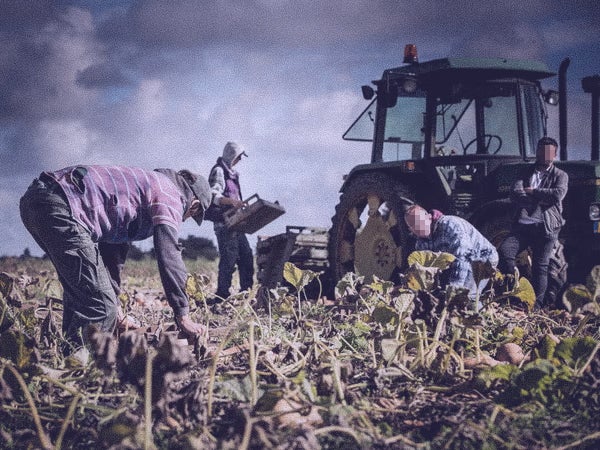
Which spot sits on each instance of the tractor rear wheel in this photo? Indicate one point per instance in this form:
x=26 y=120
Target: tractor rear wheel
x=368 y=235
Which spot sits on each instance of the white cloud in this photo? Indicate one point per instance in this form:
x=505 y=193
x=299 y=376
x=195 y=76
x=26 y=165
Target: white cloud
x=281 y=77
x=66 y=142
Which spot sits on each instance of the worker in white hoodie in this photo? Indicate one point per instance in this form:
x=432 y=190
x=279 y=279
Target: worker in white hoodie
x=234 y=248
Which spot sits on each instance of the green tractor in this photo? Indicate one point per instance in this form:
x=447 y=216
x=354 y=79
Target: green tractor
x=451 y=134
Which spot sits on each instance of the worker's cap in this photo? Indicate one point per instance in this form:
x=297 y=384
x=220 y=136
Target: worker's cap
x=201 y=190
x=233 y=150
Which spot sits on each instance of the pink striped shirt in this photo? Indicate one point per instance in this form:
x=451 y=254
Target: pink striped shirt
x=120 y=204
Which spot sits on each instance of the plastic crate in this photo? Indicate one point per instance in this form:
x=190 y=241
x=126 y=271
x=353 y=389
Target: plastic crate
x=255 y=214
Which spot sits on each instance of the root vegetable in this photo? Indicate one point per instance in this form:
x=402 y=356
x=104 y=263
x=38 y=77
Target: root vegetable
x=510 y=353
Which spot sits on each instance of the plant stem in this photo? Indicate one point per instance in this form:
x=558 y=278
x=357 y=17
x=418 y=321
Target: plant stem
x=252 y=363
x=148 y=401
x=44 y=439
x=213 y=370
x=578 y=442
x=65 y=425
x=589 y=360
x=247 y=431
x=337 y=429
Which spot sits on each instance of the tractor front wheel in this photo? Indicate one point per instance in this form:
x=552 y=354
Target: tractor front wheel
x=368 y=235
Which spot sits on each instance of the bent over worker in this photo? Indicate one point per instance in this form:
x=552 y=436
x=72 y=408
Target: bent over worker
x=451 y=234
x=84 y=217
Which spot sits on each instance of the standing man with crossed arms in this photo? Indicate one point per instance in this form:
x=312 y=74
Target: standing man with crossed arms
x=538 y=194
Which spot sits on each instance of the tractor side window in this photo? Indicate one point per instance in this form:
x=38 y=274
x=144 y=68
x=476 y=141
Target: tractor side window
x=363 y=128
x=404 y=133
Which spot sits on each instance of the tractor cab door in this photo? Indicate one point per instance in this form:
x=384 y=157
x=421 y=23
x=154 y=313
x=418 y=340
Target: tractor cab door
x=397 y=130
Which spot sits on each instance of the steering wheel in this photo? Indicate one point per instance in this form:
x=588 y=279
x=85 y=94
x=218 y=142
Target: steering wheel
x=488 y=140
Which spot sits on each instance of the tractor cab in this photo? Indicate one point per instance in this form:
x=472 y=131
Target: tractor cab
x=455 y=120
x=452 y=134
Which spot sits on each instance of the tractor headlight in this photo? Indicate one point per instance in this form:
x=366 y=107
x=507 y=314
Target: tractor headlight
x=595 y=211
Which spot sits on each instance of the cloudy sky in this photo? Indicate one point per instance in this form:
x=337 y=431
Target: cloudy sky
x=167 y=83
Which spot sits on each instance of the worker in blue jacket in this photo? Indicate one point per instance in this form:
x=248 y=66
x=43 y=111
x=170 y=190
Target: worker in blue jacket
x=451 y=234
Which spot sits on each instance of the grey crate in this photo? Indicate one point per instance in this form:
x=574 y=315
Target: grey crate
x=253 y=216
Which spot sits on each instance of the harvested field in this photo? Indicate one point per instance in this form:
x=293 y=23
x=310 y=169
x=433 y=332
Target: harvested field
x=382 y=366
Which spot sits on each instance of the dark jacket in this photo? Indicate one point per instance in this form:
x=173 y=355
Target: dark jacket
x=547 y=197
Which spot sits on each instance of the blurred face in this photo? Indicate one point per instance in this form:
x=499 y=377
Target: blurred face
x=545 y=154
x=419 y=222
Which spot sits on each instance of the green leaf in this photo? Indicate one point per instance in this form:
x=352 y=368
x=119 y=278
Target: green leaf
x=525 y=293
x=471 y=319
x=119 y=428
x=6 y=283
x=482 y=270
x=576 y=296
x=458 y=298
x=191 y=286
x=381 y=286
x=348 y=285
x=535 y=375
x=574 y=351
x=19 y=348
x=498 y=372
x=236 y=388
x=9 y=291
x=404 y=301
x=196 y=286
x=6 y=317
x=53 y=289
x=389 y=347
x=279 y=292
x=546 y=348
x=297 y=277
x=427 y=258
x=384 y=314
x=419 y=277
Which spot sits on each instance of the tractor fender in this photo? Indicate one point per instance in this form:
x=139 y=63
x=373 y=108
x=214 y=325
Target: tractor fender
x=492 y=210
x=392 y=169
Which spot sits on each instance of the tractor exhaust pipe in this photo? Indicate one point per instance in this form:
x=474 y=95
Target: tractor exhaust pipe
x=591 y=85
x=562 y=107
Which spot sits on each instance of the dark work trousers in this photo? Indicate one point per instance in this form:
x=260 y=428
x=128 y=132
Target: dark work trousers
x=233 y=249
x=114 y=257
x=88 y=297
x=534 y=236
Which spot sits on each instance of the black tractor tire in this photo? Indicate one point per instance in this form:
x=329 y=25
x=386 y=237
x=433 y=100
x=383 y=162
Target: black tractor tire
x=496 y=228
x=368 y=235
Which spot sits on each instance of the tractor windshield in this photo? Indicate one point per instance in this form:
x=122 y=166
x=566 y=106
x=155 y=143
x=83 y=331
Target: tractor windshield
x=485 y=119
x=478 y=120
x=471 y=119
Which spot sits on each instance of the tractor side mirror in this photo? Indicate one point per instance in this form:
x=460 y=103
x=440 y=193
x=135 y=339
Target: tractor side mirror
x=367 y=92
